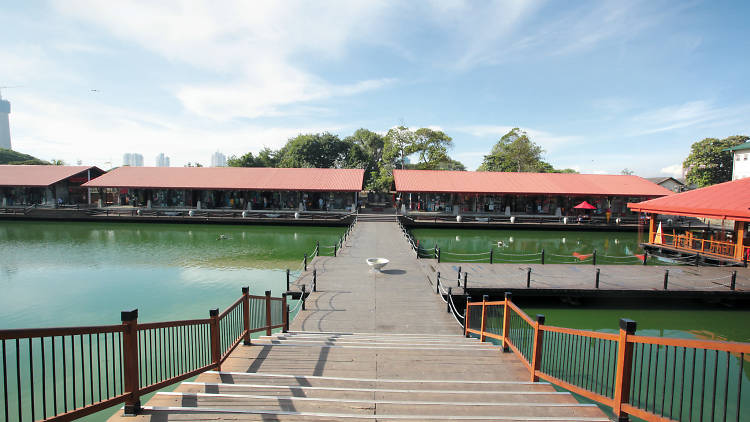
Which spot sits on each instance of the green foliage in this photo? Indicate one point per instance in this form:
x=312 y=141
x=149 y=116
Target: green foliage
x=627 y=172
x=8 y=156
x=321 y=150
x=367 y=151
x=196 y=164
x=709 y=162
x=515 y=152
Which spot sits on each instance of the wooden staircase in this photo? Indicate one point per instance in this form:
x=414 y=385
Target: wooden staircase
x=345 y=376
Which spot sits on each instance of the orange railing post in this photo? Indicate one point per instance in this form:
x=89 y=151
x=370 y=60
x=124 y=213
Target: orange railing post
x=246 y=315
x=624 y=367
x=484 y=314
x=506 y=321
x=284 y=313
x=536 y=357
x=130 y=361
x=268 y=312
x=215 y=342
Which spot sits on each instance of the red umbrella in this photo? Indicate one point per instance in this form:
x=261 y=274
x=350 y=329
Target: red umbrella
x=584 y=206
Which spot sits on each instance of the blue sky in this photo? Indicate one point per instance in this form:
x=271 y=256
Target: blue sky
x=601 y=85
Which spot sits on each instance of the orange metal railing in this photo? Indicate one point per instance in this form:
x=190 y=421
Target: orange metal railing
x=697 y=245
x=652 y=378
x=61 y=374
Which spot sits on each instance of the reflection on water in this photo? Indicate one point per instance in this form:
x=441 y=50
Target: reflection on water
x=54 y=274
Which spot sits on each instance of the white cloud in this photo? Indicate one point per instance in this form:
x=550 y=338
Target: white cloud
x=253 y=47
x=98 y=134
x=675 y=170
x=701 y=113
x=547 y=140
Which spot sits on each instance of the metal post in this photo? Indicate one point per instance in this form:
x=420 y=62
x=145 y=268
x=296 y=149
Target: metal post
x=594 y=257
x=528 y=277
x=437 y=256
x=285 y=313
x=484 y=316
x=317 y=249
x=466 y=278
x=287 y=279
x=268 y=312
x=130 y=362
x=246 y=314
x=302 y=297
x=286 y=321
x=335 y=247
x=315 y=280
x=666 y=279
x=645 y=257
x=597 y=278
x=506 y=321
x=542 y=256
x=437 y=283
x=305 y=261
x=734 y=280
x=492 y=251
x=215 y=336
x=459 y=271
x=448 y=302
x=466 y=317
x=624 y=367
x=536 y=357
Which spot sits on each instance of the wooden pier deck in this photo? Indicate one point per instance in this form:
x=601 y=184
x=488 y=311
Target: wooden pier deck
x=369 y=346
x=580 y=280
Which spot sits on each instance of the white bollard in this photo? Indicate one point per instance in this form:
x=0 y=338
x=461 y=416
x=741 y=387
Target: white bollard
x=198 y=205
x=244 y=214
x=296 y=216
x=191 y=213
x=458 y=218
x=513 y=219
x=565 y=220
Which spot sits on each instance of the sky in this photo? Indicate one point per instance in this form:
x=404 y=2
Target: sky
x=600 y=85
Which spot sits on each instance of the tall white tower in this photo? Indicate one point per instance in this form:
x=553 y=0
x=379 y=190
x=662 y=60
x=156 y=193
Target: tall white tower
x=4 y=123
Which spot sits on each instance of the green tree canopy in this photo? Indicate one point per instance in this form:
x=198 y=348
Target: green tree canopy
x=322 y=150
x=709 y=162
x=515 y=152
x=8 y=156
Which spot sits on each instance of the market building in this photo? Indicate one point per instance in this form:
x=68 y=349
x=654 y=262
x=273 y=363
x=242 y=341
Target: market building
x=502 y=193
x=242 y=188
x=24 y=185
x=726 y=209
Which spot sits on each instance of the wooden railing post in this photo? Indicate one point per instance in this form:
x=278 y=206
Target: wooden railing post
x=484 y=316
x=624 y=367
x=506 y=321
x=536 y=357
x=285 y=313
x=130 y=361
x=268 y=312
x=215 y=338
x=246 y=314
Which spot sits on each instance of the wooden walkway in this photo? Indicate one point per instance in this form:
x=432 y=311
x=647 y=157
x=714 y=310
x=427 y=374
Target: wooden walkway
x=370 y=346
x=581 y=279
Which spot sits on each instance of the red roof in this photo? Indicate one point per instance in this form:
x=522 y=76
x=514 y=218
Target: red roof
x=730 y=201
x=40 y=176
x=232 y=178
x=436 y=181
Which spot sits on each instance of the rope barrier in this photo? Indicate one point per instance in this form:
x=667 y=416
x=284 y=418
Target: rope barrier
x=466 y=254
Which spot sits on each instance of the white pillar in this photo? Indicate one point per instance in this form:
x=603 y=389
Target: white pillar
x=198 y=204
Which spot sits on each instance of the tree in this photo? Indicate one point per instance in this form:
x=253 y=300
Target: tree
x=246 y=160
x=432 y=147
x=8 y=156
x=322 y=150
x=196 y=164
x=709 y=161
x=399 y=144
x=56 y=162
x=515 y=152
x=627 y=172
x=366 y=150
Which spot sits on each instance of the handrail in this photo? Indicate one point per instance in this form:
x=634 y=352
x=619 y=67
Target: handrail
x=87 y=369
x=652 y=378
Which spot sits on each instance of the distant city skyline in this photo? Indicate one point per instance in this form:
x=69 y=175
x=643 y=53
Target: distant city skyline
x=162 y=160
x=132 y=159
x=218 y=159
x=601 y=85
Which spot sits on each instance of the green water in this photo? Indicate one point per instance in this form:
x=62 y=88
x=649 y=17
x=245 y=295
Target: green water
x=62 y=274
x=526 y=245
x=57 y=274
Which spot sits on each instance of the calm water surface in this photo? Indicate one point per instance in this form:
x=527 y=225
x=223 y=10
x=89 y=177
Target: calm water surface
x=56 y=274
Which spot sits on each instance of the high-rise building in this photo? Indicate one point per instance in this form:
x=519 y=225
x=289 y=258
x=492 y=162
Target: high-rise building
x=162 y=160
x=132 y=160
x=218 y=160
x=4 y=123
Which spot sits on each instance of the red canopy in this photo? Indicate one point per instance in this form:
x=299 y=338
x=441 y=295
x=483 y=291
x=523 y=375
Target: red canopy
x=584 y=206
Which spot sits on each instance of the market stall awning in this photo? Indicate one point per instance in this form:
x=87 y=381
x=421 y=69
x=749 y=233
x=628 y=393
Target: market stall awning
x=233 y=178
x=497 y=183
x=42 y=176
x=584 y=206
x=726 y=201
